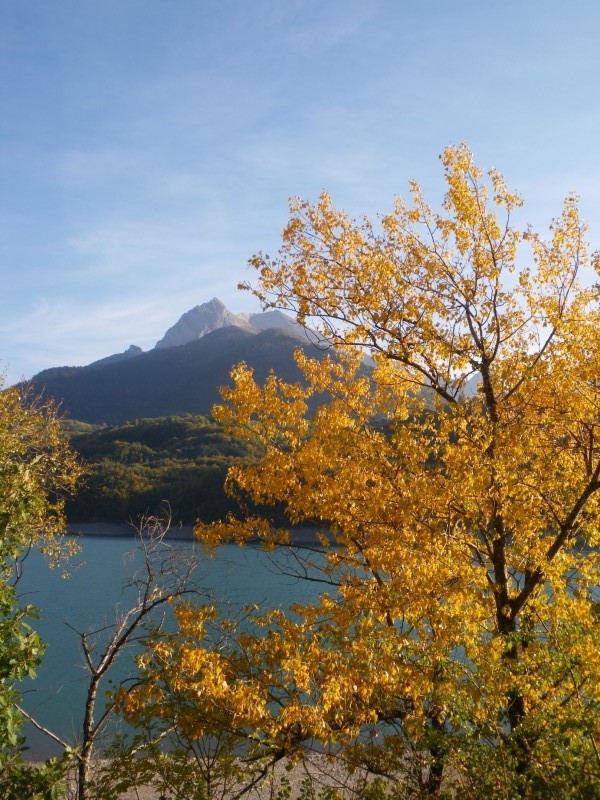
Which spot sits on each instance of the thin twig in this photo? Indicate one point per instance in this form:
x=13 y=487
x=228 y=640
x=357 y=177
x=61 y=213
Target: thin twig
x=49 y=733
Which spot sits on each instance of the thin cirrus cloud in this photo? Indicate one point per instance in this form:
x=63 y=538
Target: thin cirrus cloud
x=160 y=254
x=113 y=247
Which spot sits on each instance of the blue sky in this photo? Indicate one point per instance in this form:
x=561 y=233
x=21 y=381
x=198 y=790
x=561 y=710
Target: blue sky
x=148 y=147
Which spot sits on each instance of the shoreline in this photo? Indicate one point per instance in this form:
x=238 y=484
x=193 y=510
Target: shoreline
x=123 y=530
x=299 y=537
x=290 y=776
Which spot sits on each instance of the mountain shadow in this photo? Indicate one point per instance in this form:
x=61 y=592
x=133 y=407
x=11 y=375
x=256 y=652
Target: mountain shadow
x=172 y=381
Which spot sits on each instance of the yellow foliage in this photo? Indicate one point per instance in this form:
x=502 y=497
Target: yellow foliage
x=37 y=470
x=459 y=479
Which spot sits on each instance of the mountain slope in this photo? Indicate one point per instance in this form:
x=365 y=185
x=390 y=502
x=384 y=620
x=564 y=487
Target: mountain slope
x=131 y=352
x=169 y=381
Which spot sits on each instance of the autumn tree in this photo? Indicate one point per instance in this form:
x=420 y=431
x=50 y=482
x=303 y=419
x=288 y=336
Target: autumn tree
x=455 y=478
x=37 y=468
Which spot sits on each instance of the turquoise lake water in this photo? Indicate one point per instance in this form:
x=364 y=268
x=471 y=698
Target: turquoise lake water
x=92 y=595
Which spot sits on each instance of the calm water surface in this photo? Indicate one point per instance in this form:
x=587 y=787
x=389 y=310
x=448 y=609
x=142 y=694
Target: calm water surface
x=90 y=596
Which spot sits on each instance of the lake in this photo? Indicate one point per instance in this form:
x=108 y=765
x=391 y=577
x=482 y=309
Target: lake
x=92 y=594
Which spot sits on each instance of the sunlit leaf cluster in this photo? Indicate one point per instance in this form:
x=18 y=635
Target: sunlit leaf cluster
x=455 y=487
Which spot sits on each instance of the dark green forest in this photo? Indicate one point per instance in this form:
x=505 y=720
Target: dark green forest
x=139 y=467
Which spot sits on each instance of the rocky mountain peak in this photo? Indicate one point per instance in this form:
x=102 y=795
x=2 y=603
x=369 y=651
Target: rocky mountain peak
x=211 y=316
x=197 y=322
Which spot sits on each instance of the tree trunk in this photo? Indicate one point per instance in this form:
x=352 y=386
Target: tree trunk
x=437 y=751
x=516 y=711
x=85 y=759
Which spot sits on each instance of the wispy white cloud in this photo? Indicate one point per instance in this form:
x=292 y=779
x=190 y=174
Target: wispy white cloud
x=115 y=246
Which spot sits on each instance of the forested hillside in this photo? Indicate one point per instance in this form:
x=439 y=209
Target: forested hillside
x=138 y=467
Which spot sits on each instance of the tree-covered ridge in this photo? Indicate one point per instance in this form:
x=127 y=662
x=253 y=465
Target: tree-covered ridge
x=137 y=468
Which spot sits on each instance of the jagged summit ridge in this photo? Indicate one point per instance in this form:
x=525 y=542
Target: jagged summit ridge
x=197 y=322
x=210 y=316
